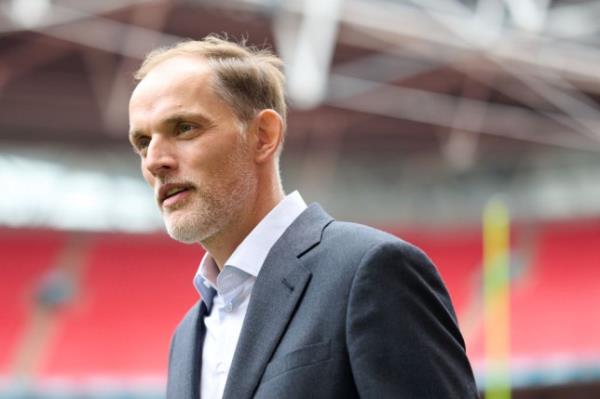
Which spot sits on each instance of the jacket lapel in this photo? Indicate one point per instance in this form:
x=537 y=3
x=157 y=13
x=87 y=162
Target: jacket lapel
x=186 y=357
x=275 y=296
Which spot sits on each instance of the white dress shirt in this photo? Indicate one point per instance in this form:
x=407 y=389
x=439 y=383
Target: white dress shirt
x=234 y=286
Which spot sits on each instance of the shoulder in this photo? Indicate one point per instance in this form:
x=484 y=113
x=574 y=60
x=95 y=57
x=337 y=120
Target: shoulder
x=376 y=259
x=362 y=241
x=387 y=269
x=349 y=253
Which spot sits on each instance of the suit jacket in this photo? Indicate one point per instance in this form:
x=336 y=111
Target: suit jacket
x=339 y=310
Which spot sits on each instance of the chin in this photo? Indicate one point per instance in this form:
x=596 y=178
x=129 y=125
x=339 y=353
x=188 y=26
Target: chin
x=182 y=238
x=188 y=229
x=183 y=235
x=179 y=230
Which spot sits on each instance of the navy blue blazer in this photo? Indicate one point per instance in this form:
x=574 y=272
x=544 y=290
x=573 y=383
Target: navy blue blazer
x=339 y=310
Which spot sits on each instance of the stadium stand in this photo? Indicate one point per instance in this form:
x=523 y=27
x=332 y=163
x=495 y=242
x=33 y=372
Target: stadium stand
x=134 y=289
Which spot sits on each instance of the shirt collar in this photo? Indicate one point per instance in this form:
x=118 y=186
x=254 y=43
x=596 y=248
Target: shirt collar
x=250 y=255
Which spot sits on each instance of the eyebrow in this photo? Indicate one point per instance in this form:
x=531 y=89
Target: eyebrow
x=186 y=116
x=174 y=119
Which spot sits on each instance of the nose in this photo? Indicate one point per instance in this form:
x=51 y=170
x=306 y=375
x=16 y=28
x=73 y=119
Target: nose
x=160 y=159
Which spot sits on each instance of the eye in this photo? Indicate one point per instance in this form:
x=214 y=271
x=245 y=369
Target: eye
x=184 y=127
x=141 y=143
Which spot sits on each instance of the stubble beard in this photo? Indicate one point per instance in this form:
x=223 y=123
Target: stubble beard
x=214 y=208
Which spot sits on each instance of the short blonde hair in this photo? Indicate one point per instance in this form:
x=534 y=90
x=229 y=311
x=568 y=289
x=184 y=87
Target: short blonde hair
x=247 y=79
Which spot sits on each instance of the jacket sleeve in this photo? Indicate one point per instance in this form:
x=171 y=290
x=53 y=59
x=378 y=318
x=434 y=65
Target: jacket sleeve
x=402 y=335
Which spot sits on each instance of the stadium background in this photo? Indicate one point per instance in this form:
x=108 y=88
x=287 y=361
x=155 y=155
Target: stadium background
x=405 y=115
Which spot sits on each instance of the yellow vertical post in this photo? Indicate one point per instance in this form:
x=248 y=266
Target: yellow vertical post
x=496 y=292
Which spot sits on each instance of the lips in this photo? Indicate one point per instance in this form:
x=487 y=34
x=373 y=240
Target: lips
x=167 y=191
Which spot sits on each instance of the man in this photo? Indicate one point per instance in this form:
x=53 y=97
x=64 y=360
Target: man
x=294 y=304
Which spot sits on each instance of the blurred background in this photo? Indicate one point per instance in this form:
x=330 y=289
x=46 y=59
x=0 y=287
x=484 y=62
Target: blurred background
x=410 y=116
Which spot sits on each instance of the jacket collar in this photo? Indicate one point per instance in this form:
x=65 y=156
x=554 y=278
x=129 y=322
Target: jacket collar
x=278 y=289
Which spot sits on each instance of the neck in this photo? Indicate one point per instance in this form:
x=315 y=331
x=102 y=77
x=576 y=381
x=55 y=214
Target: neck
x=222 y=245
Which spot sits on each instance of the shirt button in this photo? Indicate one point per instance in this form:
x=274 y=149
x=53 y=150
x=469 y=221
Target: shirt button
x=220 y=367
x=229 y=307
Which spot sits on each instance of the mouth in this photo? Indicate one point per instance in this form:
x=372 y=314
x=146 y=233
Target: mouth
x=170 y=194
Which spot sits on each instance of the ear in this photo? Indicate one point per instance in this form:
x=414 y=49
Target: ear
x=268 y=127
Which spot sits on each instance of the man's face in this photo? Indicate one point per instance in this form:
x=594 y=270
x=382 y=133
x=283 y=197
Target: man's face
x=193 y=150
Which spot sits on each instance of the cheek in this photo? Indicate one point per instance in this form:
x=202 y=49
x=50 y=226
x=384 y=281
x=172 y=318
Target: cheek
x=211 y=159
x=199 y=161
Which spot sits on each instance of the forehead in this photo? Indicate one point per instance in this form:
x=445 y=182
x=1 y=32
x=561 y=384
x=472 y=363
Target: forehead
x=178 y=81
